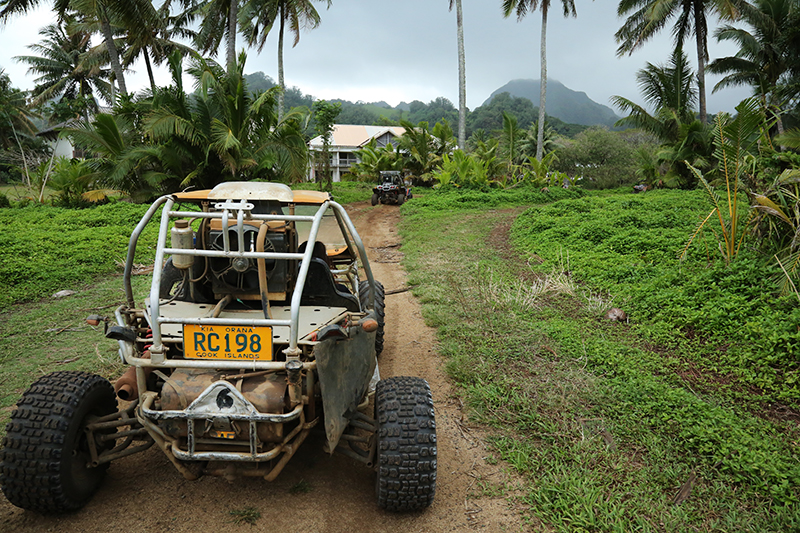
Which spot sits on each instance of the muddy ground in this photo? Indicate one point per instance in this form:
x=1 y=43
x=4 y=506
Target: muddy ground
x=145 y=493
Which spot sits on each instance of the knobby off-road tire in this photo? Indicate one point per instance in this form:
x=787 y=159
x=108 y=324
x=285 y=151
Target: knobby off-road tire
x=375 y=199
x=406 y=453
x=380 y=297
x=44 y=461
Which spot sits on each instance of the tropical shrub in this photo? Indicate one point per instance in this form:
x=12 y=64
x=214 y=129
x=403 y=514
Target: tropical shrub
x=601 y=158
x=374 y=159
x=734 y=139
x=172 y=140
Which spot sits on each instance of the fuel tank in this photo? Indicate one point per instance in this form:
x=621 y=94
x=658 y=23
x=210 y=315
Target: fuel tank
x=267 y=392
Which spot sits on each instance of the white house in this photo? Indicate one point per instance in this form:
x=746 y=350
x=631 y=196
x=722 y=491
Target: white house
x=345 y=140
x=61 y=144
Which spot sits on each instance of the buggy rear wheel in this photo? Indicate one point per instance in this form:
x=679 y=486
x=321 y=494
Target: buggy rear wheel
x=45 y=461
x=406 y=451
x=375 y=199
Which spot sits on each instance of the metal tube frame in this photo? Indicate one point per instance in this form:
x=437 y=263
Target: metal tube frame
x=242 y=210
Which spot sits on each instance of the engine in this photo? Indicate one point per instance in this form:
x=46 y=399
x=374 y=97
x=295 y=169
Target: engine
x=239 y=276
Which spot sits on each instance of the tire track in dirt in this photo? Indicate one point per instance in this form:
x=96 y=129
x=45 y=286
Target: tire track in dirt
x=145 y=493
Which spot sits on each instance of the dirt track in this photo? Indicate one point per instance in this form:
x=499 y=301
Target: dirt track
x=145 y=493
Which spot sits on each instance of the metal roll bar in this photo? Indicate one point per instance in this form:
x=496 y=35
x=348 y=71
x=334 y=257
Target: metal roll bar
x=243 y=212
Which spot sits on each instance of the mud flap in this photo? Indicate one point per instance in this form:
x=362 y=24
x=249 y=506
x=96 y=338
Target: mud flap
x=345 y=367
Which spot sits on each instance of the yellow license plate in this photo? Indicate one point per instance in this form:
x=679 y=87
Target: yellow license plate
x=227 y=342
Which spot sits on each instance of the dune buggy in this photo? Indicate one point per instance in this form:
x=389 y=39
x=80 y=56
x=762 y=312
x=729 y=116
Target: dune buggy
x=392 y=190
x=259 y=326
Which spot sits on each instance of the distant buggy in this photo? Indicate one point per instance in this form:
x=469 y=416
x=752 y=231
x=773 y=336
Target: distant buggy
x=392 y=189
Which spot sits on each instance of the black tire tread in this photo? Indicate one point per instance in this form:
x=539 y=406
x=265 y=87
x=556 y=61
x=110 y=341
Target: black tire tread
x=33 y=462
x=406 y=437
x=375 y=199
x=380 y=309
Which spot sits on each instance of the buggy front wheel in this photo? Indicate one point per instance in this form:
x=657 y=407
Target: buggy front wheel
x=45 y=464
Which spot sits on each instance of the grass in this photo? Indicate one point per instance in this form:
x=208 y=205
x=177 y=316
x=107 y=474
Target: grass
x=604 y=420
x=45 y=249
x=724 y=321
x=17 y=191
x=37 y=338
x=301 y=487
x=249 y=515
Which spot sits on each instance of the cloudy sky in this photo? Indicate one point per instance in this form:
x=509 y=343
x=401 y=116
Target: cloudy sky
x=406 y=50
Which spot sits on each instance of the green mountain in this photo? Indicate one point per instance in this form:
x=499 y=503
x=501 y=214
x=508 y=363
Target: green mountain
x=562 y=102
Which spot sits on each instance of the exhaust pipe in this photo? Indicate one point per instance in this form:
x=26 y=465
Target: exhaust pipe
x=125 y=387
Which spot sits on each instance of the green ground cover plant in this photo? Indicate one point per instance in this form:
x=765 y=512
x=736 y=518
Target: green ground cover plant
x=453 y=198
x=650 y=425
x=46 y=249
x=726 y=320
x=639 y=426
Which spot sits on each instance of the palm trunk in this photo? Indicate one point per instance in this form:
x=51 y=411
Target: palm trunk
x=462 y=81
x=232 y=26
x=149 y=71
x=281 y=83
x=702 y=57
x=543 y=86
x=113 y=53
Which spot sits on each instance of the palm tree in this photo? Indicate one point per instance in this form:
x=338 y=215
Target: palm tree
x=423 y=147
x=219 y=19
x=14 y=112
x=647 y=17
x=669 y=90
x=462 y=77
x=522 y=7
x=372 y=160
x=763 y=57
x=170 y=140
x=157 y=42
x=528 y=141
x=16 y=117
x=225 y=131
x=509 y=141
x=258 y=17
x=107 y=13
x=61 y=67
